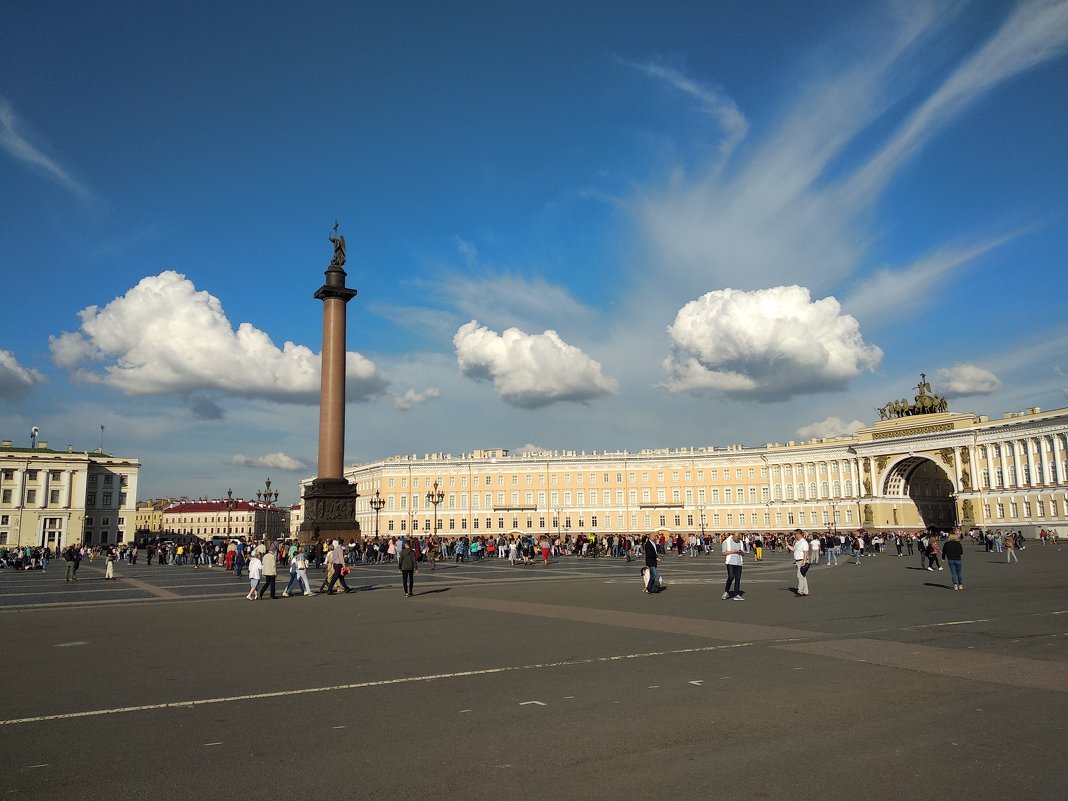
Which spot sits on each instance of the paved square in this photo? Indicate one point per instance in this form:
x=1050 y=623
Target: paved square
x=500 y=682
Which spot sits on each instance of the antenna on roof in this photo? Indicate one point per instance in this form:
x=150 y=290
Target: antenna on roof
x=33 y=437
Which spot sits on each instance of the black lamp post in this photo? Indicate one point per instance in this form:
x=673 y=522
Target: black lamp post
x=377 y=503
x=230 y=504
x=435 y=496
x=267 y=498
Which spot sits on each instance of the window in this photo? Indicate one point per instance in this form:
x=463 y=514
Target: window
x=53 y=475
x=53 y=496
x=5 y=496
x=108 y=480
x=31 y=475
x=31 y=496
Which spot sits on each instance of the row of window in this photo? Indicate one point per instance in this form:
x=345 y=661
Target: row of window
x=1024 y=473
x=56 y=475
x=30 y=498
x=569 y=523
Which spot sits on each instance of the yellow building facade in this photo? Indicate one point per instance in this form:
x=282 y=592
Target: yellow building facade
x=908 y=471
x=60 y=498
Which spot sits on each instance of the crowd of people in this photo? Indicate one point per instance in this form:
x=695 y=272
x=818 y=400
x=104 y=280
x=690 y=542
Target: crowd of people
x=262 y=561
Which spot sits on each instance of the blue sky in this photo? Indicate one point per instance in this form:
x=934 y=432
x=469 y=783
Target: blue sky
x=572 y=225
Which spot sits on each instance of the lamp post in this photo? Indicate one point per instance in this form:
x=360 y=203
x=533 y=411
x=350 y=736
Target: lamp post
x=267 y=497
x=230 y=503
x=701 y=509
x=435 y=496
x=377 y=503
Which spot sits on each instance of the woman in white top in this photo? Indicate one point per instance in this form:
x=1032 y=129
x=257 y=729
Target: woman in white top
x=255 y=573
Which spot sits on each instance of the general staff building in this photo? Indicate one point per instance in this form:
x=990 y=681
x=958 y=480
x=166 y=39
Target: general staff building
x=919 y=467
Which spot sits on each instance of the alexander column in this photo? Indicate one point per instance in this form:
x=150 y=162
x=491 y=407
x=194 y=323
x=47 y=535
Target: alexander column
x=330 y=500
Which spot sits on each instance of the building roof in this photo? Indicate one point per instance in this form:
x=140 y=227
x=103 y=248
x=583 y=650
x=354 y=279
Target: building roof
x=209 y=507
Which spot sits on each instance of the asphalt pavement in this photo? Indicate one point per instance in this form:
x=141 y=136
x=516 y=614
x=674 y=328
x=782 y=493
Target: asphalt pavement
x=533 y=682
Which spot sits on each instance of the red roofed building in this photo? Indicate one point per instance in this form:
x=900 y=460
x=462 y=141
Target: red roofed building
x=220 y=518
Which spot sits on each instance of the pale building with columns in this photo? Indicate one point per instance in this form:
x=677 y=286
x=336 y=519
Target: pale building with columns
x=932 y=469
x=59 y=498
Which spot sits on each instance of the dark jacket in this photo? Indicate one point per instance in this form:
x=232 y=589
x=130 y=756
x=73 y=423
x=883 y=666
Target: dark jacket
x=407 y=560
x=650 y=554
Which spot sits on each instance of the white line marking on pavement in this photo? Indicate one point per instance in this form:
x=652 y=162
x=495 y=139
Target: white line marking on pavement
x=950 y=623
x=380 y=683
x=697 y=683
x=528 y=703
x=43 y=765
x=210 y=744
x=70 y=644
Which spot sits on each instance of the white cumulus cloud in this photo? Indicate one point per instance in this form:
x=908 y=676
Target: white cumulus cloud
x=16 y=381
x=768 y=344
x=831 y=427
x=165 y=337
x=413 y=397
x=271 y=461
x=530 y=370
x=966 y=379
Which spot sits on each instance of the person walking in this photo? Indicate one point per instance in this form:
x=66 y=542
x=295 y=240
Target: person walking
x=954 y=553
x=73 y=557
x=1009 y=545
x=109 y=569
x=255 y=573
x=733 y=553
x=801 y=562
x=269 y=566
x=337 y=565
x=932 y=554
x=409 y=566
x=652 y=578
x=298 y=574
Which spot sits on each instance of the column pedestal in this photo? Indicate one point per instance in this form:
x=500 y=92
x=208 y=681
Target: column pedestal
x=329 y=507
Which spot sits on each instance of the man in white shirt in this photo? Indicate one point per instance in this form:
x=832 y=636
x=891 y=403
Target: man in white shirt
x=732 y=556
x=801 y=562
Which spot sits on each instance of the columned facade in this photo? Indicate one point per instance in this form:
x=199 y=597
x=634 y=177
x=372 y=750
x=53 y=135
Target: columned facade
x=908 y=473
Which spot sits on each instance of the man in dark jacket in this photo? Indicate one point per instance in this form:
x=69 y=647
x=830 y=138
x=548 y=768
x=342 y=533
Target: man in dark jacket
x=408 y=564
x=651 y=558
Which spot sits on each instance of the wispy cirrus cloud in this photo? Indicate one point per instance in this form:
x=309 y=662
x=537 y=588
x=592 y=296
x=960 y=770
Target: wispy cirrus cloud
x=795 y=210
x=16 y=140
x=713 y=101
x=885 y=294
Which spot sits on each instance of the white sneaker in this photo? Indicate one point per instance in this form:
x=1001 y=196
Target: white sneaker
x=739 y=598
x=726 y=595
x=285 y=594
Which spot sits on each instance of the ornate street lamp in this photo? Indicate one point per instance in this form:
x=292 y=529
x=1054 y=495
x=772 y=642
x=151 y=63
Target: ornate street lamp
x=377 y=503
x=701 y=509
x=230 y=504
x=435 y=496
x=267 y=498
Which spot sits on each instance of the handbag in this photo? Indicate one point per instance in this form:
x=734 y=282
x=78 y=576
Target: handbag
x=804 y=568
